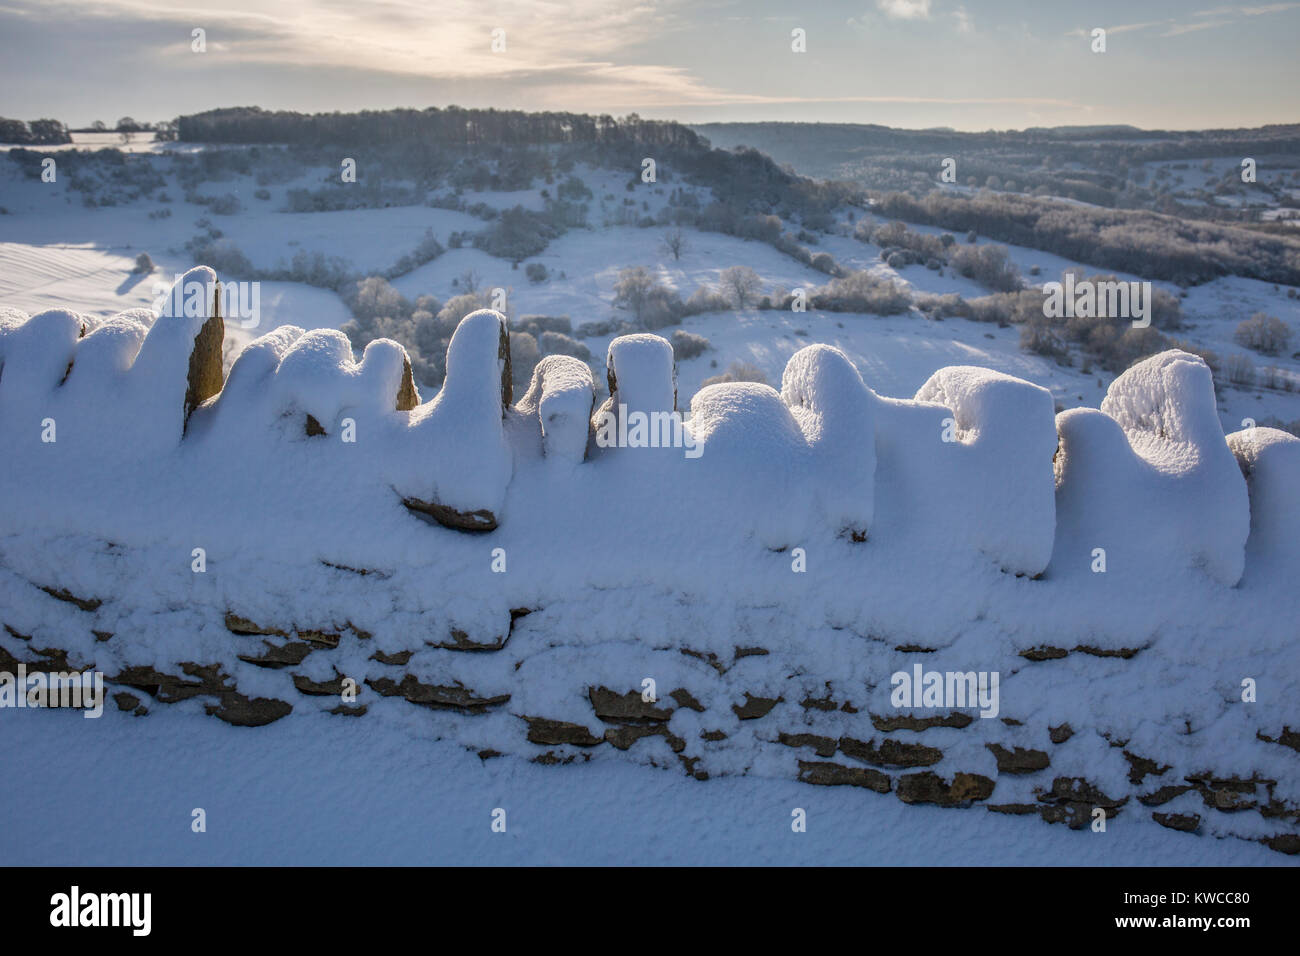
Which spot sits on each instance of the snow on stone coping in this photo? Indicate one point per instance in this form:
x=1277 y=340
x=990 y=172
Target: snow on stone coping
x=561 y=397
x=966 y=465
x=1152 y=468
x=1270 y=460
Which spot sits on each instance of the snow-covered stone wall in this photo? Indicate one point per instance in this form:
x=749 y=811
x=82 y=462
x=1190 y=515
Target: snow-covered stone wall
x=769 y=561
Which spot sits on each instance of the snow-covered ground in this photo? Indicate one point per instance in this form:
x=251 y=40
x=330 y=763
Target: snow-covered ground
x=632 y=564
x=56 y=253
x=325 y=792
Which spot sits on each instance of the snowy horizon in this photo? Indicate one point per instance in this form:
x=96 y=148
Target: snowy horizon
x=908 y=63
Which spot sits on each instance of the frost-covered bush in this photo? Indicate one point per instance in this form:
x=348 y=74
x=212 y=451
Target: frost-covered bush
x=227 y=205
x=372 y=297
x=824 y=262
x=459 y=306
x=861 y=292
x=516 y=235
x=737 y=371
x=316 y=268
x=988 y=265
x=1266 y=334
x=611 y=327
x=688 y=345
x=707 y=299
x=524 y=355
x=652 y=303
x=1042 y=338
x=1239 y=369
x=144 y=264
x=557 y=343
x=943 y=306
x=573 y=188
x=426 y=250
x=536 y=325
x=222 y=255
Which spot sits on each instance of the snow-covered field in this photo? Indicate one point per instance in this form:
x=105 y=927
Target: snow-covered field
x=56 y=253
x=965 y=555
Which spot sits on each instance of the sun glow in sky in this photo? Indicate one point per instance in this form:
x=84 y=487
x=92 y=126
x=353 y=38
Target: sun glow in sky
x=976 y=64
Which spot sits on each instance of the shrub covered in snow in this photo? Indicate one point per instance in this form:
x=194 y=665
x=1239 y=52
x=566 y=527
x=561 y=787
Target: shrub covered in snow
x=737 y=372
x=524 y=354
x=517 y=234
x=1239 y=369
x=557 y=343
x=459 y=306
x=988 y=265
x=537 y=324
x=860 y=292
x=1266 y=334
x=706 y=299
x=688 y=345
x=652 y=303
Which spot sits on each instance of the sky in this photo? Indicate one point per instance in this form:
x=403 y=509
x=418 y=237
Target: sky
x=971 y=65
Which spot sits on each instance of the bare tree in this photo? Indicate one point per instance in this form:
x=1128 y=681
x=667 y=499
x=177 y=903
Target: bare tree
x=742 y=284
x=674 y=243
x=469 y=281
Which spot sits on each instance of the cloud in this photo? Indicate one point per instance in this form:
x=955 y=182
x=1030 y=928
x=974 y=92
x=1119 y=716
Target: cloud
x=964 y=24
x=587 y=49
x=905 y=9
x=1122 y=28
x=401 y=36
x=1246 y=11
x=1179 y=29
